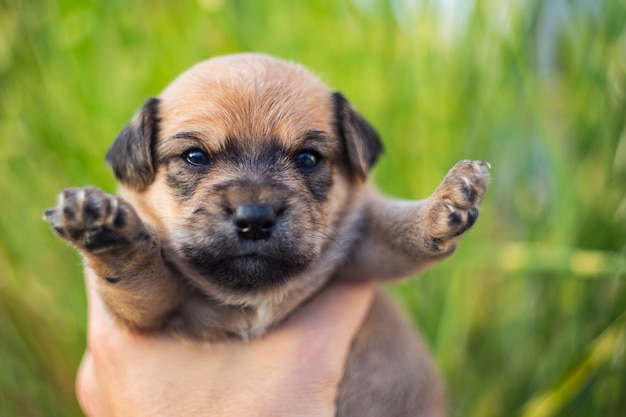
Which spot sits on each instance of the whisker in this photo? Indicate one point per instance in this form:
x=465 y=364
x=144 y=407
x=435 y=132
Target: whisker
x=329 y=238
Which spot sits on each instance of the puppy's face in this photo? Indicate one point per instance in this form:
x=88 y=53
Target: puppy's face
x=245 y=165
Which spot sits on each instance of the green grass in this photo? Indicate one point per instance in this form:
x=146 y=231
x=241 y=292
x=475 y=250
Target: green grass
x=526 y=319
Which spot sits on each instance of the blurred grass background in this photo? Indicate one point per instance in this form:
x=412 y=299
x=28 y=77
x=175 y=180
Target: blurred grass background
x=527 y=319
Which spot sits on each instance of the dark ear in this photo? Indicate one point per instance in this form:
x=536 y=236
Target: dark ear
x=130 y=155
x=362 y=142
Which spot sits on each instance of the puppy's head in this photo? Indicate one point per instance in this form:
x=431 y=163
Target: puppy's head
x=246 y=165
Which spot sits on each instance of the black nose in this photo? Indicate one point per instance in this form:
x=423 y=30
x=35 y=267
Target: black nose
x=254 y=222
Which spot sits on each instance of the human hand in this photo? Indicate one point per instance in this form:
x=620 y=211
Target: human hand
x=292 y=371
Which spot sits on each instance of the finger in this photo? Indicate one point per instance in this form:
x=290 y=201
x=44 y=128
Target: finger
x=91 y=394
x=102 y=332
x=97 y=314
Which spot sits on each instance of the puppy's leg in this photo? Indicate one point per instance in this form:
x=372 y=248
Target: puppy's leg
x=405 y=237
x=121 y=250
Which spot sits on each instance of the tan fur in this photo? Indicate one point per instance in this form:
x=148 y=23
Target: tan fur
x=159 y=250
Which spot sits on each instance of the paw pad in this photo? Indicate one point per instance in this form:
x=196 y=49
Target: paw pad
x=453 y=208
x=90 y=219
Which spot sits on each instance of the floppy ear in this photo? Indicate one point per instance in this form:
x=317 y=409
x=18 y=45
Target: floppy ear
x=130 y=155
x=362 y=142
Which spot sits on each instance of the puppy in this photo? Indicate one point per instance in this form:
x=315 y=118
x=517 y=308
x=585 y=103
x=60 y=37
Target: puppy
x=244 y=192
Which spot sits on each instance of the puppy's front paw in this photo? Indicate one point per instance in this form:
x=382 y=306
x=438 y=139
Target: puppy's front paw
x=453 y=207
x=93 y=220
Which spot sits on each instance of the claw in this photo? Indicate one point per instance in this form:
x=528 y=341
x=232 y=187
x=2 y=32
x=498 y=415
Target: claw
x=484 y=164
x=80 y=197
x=449 y=206
x=113 y=212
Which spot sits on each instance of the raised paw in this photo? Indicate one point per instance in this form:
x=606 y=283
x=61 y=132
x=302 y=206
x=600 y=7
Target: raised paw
x=93 y=220
x=453 y=207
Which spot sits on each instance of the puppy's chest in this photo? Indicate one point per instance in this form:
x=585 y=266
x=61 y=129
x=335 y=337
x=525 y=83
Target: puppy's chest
x=261 y=320
x=255 y=322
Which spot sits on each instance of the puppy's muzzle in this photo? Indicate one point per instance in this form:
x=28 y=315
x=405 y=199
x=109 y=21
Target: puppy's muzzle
x=255 y=221
x=255 y=207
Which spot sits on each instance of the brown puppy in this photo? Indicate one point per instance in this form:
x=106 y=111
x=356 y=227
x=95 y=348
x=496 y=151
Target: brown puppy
x=245 y=192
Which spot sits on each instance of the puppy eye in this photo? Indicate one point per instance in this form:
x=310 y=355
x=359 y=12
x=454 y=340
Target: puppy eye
x=196 y=157
x=308 y=159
